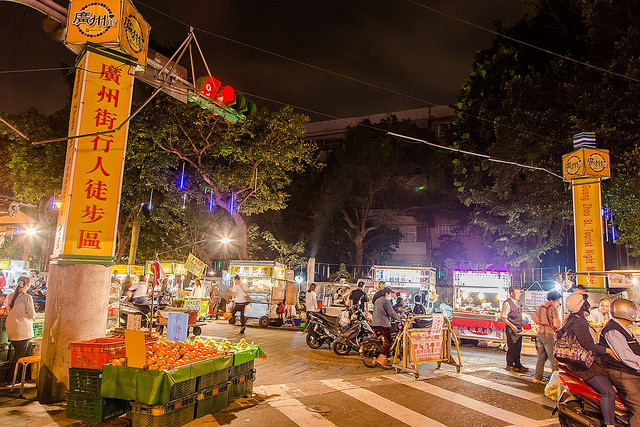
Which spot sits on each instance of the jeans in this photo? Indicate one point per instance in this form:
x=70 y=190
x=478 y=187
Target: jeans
x=607 y=398
x=628 y=386
x=544 y=345
x=20 y=350
x=240 y=307
x=514 y=347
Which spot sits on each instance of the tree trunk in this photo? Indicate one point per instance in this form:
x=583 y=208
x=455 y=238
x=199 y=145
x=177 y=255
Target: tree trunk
x=359 y=243
x=242 y=235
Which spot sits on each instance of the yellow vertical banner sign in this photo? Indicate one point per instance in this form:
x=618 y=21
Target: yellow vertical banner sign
x=587 y=207
x=101 y=101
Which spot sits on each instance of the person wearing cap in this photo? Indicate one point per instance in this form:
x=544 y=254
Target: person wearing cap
x=382 y=313
x=549 y=320
x=596 y=376
x=512 y=317
x=624 y=371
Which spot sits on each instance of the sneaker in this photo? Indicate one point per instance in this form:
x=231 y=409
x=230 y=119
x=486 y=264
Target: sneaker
x=521 y=369
x=542 y=381
x=509 y=368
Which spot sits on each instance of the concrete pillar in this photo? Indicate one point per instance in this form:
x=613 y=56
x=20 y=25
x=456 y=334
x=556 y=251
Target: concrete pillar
x=77 y=301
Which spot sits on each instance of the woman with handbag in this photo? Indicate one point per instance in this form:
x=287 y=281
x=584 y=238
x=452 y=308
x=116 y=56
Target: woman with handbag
x=576 y=348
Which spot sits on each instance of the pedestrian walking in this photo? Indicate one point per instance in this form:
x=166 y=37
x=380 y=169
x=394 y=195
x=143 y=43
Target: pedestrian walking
x=512 y=317
x=548 y=318
x=240 y=296
x=19 y=323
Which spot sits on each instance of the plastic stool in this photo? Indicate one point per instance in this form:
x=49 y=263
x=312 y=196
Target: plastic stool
x=24 y=361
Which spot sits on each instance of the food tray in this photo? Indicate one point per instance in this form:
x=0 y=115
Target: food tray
x=212 y=400
x=85 y=381
x=94 y=409
x=172 y=414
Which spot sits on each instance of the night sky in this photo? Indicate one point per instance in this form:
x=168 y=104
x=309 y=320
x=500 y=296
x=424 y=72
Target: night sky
x=392 y=44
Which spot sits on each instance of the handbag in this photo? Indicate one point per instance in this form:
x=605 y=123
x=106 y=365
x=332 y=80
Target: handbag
x=569 y=350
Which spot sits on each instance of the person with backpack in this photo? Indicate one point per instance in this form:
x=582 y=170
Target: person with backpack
x=359 y=297
x=548 y=318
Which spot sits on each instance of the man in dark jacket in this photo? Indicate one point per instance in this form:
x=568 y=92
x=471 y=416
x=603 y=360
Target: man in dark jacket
x=624 y=373
x=359 y=297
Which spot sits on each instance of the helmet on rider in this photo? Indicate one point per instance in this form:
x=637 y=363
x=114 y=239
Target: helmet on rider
x=624 y=309
x=577 y=303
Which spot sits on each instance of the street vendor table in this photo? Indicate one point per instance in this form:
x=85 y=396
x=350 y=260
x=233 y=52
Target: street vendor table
x=153 y=387
x=481 y=329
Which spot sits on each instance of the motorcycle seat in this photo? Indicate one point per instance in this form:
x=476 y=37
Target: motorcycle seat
x=326 y=318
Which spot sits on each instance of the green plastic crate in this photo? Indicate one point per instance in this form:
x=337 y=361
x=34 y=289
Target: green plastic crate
x=94 y=409
x=5 y=352
x=212 y=400
x=213 y=379
x=38 y=327
x=172 y=414
x=182 y=389
x=85 y=381
x=4 y=368
x=241 y=385
x=242 y=368
x=4 y=338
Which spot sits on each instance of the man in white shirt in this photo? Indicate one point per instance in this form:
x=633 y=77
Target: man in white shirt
x=240 y=297
x=140 y=288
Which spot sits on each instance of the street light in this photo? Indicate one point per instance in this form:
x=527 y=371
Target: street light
x=30 y=231
x=225 y=240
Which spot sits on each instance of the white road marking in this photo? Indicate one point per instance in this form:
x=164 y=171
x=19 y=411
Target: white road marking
x=476 y=405
x=299 y=414
x=382 y=404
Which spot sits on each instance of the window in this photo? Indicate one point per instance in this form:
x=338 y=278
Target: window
x=454 y=231
x=408 y=234
x=442 y=129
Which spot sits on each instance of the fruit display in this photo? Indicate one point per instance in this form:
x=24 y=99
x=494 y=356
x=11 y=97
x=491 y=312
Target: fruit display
x=165 y=355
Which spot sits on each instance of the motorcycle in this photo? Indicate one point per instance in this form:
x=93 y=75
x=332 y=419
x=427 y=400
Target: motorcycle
x=370 y=349
x=321 y=329
x=579 y=404
x=358 y=331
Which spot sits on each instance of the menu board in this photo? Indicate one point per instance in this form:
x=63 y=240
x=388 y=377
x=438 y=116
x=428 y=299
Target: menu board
x=404 y=275
x=250 y=270
x=534 y=298
x=482 y=279
x=428 y=344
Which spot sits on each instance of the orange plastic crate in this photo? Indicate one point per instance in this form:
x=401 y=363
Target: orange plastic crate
x=92 y=354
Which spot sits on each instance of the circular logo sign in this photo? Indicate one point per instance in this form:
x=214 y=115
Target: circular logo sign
x=596 y=162
x=573 y=165
x=94 y=19
x=135 y=37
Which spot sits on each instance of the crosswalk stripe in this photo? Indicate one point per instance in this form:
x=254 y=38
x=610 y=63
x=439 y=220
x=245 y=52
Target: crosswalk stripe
x=299 y=414
x=542 y=423
x=387 y=406
x=476 y=405
x=512 y=391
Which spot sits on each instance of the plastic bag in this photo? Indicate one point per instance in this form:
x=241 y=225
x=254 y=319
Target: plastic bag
x=345 y=319
x=551 y=389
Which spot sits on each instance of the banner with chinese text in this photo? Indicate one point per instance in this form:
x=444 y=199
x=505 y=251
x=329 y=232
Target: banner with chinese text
x=587 y=207
x=101 y=101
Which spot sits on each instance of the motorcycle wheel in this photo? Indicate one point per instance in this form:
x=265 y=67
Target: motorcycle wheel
x=313 y=341
x=369 y=351
x=565 y=421
x=340 y=348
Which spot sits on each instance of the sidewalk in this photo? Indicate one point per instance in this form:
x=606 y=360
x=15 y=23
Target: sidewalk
x=289 y=361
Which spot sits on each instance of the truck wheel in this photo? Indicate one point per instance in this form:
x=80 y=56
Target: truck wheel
x=263 y=321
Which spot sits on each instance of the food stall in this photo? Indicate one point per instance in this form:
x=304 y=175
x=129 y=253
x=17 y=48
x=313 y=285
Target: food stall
x=13 y=269
x=477 y=301
x=408 y=281
x=267 y=282
x=174 y=271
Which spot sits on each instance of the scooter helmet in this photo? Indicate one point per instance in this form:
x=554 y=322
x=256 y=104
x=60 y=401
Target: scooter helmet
x=624 y=309
x=576 y=303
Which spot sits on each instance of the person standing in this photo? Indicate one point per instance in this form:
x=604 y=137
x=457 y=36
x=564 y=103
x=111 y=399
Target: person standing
x=19 y=323
x=240 y=296
x=548 y=318
x=512 y=317
x=382 y=313
x=359 y=297
x=311 y=299
x=139 y=290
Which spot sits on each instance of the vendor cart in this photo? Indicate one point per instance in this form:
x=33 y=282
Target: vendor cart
x=426 y=339
x=267 y=282
x=408 y=281
x=193 y=327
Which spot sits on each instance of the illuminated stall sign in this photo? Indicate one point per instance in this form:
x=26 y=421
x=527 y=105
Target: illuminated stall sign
x=405 y=276
x=251 y=270
x=101 y=100
x=482 y=279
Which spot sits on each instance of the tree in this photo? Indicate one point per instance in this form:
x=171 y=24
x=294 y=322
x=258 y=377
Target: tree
x=246 y=166
x=523 y=105
x=361 y=179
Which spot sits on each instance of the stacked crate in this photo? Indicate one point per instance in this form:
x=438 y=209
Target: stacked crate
x=213 y=392
x=241 y=380
x=6 y=352
x=178 y=411
x=84 y=401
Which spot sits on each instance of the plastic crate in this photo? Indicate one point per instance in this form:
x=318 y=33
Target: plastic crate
x=212 y=400
x=213 y=379
x=85 y=381
x=4 y=338
x=182 y=389
x=4 y=368
x=94 y=409
x=38 y=328
x=172 y=414
x=4 y=352
x=242 y=368
x=242 y=385
x=92 y=354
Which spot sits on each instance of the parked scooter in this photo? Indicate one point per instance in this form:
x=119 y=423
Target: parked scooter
x=358 y=331
x=370 y=349
x=321 y=329
x=579 y=404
